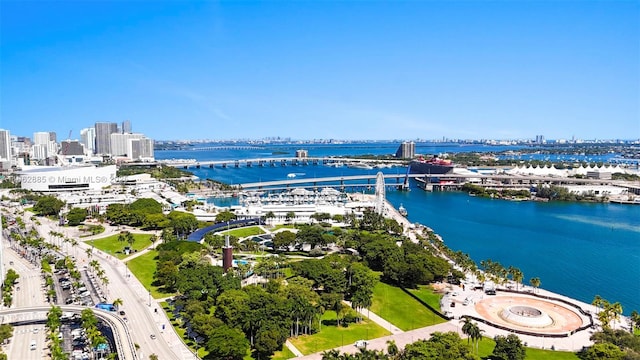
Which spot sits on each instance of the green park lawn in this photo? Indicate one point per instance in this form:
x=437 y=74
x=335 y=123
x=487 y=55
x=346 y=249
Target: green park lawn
x=143 y=267
x=428 y=295
x=486 y=345
x=111 y=245
x=400 y=309
x=284 y=354
x=331 y=336
x=244 y=232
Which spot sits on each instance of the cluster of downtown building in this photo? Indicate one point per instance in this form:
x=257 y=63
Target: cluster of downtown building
x=86 y=166
x=104 y=142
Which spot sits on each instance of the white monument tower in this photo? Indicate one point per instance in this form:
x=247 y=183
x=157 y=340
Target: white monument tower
x=380 y=193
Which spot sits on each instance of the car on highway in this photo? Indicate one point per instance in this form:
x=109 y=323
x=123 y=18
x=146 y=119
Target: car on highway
x=153 y=336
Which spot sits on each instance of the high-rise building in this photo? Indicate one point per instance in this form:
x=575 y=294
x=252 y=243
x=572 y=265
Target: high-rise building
x=45 y=143
x=132 y=146
x=126 y=127
x=406 y=150
x=41 y=138
x=88 y=139
x=103 y=137
x=142 y=149
x=5 y=145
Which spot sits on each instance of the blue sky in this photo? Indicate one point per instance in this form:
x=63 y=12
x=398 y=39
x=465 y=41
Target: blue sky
x=310 y=70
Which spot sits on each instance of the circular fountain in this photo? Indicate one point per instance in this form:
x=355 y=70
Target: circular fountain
x=527 y=316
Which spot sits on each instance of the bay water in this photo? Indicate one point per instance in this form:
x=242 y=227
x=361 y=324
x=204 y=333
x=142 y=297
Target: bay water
x=576 y=249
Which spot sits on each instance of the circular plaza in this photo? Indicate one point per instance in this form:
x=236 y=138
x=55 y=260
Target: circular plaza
x=529 y=314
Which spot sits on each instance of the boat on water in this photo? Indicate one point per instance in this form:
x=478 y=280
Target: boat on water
x=402 y=210
x=360 y=165
x=433 y=165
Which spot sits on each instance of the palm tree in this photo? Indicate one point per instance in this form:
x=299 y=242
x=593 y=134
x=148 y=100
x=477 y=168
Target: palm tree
x=466 y=327
x=598 y=302
x=476 y=334
x=517 y=277
x=269 y=216
x=615 y=310
x=153 y=239
x=74 y=243
x=392 y=348
x=289 y=216
x=89 y=252
x=535 y=282
x=635 y=320
x=117 y=302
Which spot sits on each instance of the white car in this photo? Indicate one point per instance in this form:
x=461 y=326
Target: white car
x=361 y=344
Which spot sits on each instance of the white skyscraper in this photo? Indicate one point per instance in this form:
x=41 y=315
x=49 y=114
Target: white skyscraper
x=5 y=145
x=88 y=139
x=44 y=146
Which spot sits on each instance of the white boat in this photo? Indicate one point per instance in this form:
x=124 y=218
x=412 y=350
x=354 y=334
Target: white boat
x=402 y=210
x=360 y=165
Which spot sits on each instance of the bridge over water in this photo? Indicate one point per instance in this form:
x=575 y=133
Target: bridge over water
x=397 y=180
x=269 y=161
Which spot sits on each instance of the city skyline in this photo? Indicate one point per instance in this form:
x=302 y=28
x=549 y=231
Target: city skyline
x=340 y=70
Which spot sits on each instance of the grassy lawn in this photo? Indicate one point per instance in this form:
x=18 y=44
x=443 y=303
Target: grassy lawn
x=283 y=355
x=245 y=231
x=284 y=226
x=403 y=311
x=333 y=336
x=90 y=230
x=486 y=345
x=112 y=246
x=143 y=268
x=426 y=294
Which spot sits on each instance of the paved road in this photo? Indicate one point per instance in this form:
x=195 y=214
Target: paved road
x=30 y=294
x=141 y=319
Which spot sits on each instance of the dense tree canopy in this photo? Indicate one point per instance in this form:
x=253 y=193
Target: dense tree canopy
x=48 y=205
x=441 y=346
x=226 y=343
x=509 y=348
x=76 y=216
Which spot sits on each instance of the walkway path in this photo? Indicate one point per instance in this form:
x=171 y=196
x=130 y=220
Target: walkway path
x=377 y=319
x=401 y=339
x=293 y=349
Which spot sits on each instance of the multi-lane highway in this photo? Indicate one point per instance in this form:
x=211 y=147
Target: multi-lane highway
x=28 y=292
x=148 y=329
x=142 y=320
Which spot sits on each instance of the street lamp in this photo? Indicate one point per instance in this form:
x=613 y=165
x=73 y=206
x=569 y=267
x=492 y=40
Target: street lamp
x=149 y=297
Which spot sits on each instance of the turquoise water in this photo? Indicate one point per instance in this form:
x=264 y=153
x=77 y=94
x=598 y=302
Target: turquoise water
x=577 y=249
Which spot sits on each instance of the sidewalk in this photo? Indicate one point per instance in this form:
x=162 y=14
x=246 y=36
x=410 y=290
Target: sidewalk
x=293 y=349
x=378 y=320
